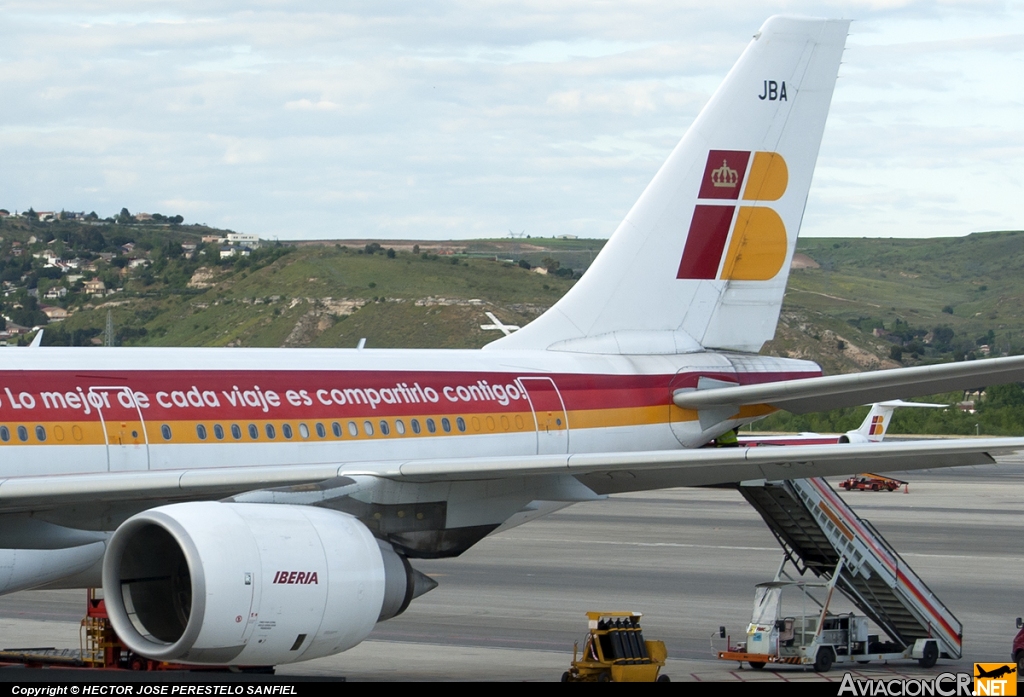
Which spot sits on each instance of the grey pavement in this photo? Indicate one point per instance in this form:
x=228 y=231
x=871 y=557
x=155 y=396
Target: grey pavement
x=510 y=608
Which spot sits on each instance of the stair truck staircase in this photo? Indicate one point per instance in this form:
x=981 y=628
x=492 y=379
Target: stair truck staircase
x=816 y=528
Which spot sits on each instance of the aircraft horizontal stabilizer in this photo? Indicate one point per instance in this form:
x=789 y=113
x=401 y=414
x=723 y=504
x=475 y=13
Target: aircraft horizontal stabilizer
x=835 y=391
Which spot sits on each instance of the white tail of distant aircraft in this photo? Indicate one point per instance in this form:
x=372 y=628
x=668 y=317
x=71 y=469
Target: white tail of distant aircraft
x=876 y=423
x=261 y=506
x=871 y=430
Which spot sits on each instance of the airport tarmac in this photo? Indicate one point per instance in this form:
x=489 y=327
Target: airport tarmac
x=511 y=607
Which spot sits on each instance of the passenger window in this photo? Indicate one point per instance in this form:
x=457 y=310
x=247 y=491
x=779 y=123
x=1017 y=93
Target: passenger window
x=286 y=430
x=201 y=431
x=460 y=423
x=368 y=427
x=430 y=426
x=446 y=425
x=384 y=428
x=218 y=431
x=400 y=427
x=5 y=434
x=415 y=423
x=165 y=431
x=254 y=432
x=22 y=434
x=271 y=431
x=304 y=430
x=321 y=431
x=236 y=432
x=353 y=430
x=40 y=434
x=336 y=429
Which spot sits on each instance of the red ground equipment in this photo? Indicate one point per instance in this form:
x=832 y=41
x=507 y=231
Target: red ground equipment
x=873 y=482
x=99 y=647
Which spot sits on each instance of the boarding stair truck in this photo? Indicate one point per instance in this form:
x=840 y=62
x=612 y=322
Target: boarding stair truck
x=792 y=623
x=817 y=531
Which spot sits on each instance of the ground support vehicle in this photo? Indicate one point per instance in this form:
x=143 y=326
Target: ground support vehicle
x=802 y=631
x=99 y=648
x=873 y=482
x=615 y=651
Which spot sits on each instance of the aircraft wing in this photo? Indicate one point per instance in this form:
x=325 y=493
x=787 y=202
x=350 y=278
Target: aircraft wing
x=835 y=391
x=607 y=473
x=602 y=472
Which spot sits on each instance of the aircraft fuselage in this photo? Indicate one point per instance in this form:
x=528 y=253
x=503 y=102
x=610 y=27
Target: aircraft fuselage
x=77 y=412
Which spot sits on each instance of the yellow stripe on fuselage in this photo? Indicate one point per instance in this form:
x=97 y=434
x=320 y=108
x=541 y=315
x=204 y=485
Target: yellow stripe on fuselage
x=186 y=431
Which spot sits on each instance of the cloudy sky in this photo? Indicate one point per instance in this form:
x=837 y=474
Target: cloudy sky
x=464 y=119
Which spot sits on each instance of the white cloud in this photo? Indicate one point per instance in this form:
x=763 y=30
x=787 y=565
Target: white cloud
x=299 y=118
x=310 y=105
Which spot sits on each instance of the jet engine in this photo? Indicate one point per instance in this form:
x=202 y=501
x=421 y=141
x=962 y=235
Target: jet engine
x=853 y=437
x=250 y=584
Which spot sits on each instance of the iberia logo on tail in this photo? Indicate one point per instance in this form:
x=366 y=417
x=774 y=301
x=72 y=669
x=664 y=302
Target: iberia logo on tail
x=756 y=234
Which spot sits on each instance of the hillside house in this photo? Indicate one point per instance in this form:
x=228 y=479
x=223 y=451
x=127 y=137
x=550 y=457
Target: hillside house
x=242 y=240
x=95 y=287
x=54 y=313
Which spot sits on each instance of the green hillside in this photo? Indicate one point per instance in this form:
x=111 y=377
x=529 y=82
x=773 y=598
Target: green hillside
x=331 y=296
x=972 y=285
x=162 y=285
x=851 y=304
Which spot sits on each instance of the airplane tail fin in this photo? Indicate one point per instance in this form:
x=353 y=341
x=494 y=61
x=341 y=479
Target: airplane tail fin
x=702 y=258
x=876 y=423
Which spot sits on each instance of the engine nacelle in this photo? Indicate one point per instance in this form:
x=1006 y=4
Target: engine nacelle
x=250 y=584
x=853 y=437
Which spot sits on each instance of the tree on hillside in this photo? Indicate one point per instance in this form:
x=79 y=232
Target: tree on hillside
x=998 y=396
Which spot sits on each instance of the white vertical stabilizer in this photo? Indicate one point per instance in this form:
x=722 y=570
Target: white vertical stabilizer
x=701 y=260
x=876 y=423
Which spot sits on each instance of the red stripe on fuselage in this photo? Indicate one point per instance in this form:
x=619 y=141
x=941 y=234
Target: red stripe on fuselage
x=50 y=395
